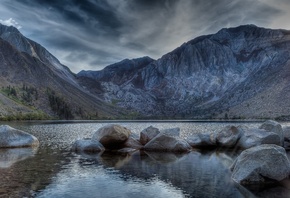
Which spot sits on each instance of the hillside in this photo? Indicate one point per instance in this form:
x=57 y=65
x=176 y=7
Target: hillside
x=34 y=84
x=240 y=72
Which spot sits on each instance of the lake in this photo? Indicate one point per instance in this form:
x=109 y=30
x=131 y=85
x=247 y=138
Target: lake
x=52 y=170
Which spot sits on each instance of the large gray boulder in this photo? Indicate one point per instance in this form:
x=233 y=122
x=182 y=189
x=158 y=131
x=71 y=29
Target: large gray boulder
x=261 y=164
x=228 y=136
x=132 y=143
x=148 y=134
x=87 y=146
x=11 y=138
x=202 y=140
x=166 y=143
x=253 y=137
x=112 y=136
x=175 y=132
x=286 y=131
x=275 y=127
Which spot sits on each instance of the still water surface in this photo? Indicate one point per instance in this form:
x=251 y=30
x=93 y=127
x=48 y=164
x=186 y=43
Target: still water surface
x=53 y=170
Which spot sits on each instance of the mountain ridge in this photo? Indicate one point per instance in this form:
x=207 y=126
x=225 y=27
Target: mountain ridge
x=36 y=83
x=239 y=72
x=209 y=77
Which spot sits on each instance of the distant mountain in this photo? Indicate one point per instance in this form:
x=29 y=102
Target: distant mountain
x=118 y=74
x=34 y=84
x=241 y=72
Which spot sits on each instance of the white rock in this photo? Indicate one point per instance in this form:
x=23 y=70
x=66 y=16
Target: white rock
x=10 y=138
x=258 y=164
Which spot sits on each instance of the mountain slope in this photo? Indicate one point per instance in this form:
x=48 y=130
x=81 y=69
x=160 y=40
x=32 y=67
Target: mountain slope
x=37 y=82
x=237 y=72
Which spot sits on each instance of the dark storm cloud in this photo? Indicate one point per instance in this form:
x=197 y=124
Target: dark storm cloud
x=89 y=34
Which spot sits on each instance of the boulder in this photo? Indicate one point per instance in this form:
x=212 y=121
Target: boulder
x=202 y=140
x=286 y=131
x=175 y=132
x=261 y=164
x=148 y=134
x=166 y=143
x=88 y=146
x=11 y=138
x=287 y=146
x=275 y=127
x=132 y=143
x=112 y=136
x=254 y=137
x=228 y=136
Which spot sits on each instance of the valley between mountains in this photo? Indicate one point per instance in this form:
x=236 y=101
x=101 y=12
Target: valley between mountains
x=237 y=73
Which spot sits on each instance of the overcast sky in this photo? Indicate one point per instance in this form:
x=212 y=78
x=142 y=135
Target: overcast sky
x=91 y=34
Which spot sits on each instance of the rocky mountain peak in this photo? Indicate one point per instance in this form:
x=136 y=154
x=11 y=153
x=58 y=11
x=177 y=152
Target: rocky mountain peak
x=206 y=76
x=8 y=29
x=118 y=72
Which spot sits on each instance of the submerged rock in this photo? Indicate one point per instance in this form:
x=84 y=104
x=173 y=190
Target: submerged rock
x=148 y=134
x=112 y=136
x=166 y=143
x=261 y=164
x=10 y=138
x=88 y=146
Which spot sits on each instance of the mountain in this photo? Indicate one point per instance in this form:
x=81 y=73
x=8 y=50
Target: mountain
x=35 y=85
x=117 y=73
x=241 y=72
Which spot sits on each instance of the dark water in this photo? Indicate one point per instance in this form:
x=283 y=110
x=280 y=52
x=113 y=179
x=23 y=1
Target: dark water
x=53 y=170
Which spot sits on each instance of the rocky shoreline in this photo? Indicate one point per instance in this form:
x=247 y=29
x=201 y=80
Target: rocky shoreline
x=262 y=158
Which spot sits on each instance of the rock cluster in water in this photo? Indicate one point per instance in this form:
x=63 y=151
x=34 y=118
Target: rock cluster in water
x=116 y=137
x=240 y=137
x=263 y=158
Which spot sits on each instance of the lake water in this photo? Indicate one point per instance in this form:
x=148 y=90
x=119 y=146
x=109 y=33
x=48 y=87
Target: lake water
x=53 y=170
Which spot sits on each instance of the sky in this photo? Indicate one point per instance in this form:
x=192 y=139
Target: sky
x=91 y=34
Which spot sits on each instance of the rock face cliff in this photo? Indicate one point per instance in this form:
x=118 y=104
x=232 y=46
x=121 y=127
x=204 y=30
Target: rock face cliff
x=241 y=72
x=35 y=83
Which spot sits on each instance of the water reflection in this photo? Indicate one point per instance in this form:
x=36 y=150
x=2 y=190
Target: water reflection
x=163 y=158
x=146 y=174
x=10 y=156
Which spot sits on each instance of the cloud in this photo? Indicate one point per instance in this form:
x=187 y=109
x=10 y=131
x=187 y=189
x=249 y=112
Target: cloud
x=91 y=34
x=10 y=22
